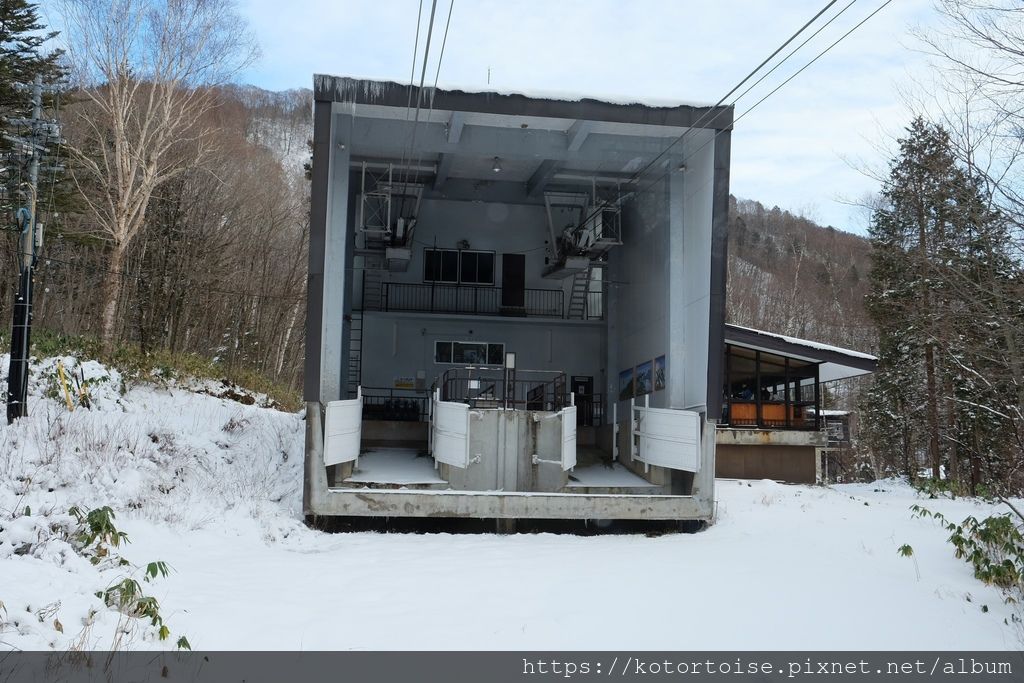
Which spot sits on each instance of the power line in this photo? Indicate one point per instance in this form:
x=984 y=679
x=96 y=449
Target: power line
x=756 y=104
x=437 y=75
x=820 y=54
x=419 y=92
x=444 y=41
x=775 y=90
x=736 y=87
x=412 y=69
x=714 y=113
x=795 y=50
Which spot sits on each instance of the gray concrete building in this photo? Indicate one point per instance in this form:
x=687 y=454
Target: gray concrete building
x=515 y=305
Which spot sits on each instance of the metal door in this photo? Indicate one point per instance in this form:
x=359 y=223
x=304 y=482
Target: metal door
x=667 y=438
x=343 y=425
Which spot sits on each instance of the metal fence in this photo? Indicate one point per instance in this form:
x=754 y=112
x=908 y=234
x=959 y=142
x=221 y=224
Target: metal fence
x=523 y=389
x=468 y=299
x=382 y=403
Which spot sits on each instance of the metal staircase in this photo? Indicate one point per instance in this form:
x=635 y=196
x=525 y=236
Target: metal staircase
x=373 y=289
x=579 y=294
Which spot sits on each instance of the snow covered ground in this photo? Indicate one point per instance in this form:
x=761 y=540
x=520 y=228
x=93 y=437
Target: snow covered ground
x=213 y=488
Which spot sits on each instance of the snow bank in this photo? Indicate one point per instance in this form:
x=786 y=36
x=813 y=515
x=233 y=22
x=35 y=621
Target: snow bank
x=213 y=488
x=170 y=456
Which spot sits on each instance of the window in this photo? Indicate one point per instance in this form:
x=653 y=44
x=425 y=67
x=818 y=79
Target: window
x=458 y=266
x=440 y=265
x=476 y=267
x=469 y=353
x=442 y=352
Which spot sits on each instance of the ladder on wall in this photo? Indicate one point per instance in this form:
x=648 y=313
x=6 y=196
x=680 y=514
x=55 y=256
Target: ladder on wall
x=579 y=294
x=355 y=353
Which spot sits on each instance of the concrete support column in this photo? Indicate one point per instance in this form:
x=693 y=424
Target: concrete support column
x=337 y=304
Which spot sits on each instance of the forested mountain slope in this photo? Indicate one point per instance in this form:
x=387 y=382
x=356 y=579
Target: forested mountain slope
x=789 y=275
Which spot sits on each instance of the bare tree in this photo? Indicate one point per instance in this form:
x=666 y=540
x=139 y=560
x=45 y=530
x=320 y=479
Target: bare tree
x=144 y=69
x=979 y=94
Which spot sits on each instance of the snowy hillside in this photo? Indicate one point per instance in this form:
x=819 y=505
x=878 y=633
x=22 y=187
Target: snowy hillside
x=212 y=487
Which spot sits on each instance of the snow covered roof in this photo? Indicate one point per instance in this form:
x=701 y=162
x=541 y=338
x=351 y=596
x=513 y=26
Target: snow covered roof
x=835 y=362
x=601 y=107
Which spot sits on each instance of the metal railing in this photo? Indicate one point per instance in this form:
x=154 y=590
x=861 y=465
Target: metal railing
x=468 y=299
x=770 y=415
x=519 y=389
x=401 y=405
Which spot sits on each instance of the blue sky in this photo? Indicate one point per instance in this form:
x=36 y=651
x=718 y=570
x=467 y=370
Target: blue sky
x=794 y=150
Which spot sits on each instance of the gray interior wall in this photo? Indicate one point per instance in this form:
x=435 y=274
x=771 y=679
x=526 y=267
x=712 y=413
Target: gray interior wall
x=638 y=273
x=690 y=294
x=498 y=227
x=661 y=279
x=400 y=344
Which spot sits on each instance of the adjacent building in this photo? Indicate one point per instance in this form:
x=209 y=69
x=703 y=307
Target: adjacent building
x=773 y=425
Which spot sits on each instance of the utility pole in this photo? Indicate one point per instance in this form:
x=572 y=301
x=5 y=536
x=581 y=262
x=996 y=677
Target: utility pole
x=29 y=243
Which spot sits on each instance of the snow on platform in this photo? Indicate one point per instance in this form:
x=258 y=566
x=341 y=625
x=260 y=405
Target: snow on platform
x=600 y=476
x=394 y=466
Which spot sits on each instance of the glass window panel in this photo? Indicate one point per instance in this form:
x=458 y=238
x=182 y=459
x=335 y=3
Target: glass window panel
x=485 y=268
x=469 y=353
x=431 y=265
x=496 y=354
x=467 y=270
x=442 y=352
x=449 y=266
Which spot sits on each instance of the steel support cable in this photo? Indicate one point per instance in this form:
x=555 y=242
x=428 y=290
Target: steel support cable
x=711 y=112
x=773 y=91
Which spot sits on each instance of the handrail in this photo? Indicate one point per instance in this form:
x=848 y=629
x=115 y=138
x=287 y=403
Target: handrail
x=468 y=299
x=387 y=403
x=498 y=388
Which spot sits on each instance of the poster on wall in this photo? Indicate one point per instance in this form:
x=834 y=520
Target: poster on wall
x=659 y=373
x=626 y=384
x=644 y=378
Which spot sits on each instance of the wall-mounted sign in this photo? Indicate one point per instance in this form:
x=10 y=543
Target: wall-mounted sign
x=659 y=373
x=626 y=384
x=644 y=382
x=405 y=383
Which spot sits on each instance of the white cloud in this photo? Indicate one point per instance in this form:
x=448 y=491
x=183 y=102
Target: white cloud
x=787 y=152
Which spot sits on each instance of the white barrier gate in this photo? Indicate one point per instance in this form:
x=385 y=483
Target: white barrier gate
x=449 y=432
x=568 y=437
x=343 y=426
x=667 y=438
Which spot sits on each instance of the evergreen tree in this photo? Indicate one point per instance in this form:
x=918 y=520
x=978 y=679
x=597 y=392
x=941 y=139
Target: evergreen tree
x=23 y=56
x=938 y=252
